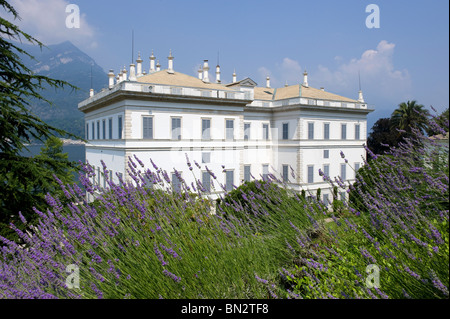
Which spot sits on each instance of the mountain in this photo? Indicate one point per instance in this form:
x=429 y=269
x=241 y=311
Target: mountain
x=66 y=62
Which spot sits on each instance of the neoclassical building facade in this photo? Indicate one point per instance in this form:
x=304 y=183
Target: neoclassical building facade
x=237 y=130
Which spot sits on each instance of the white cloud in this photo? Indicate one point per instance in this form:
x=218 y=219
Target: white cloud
x=288 y=71
x=377 y=70
x=380 y=80
x=46 y=21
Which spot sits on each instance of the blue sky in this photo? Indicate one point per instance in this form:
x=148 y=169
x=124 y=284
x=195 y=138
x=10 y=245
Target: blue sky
x=406 y=58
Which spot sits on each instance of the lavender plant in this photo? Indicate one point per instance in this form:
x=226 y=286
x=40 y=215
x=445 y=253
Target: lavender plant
x=400 y=224
x=141 y=238
x=136 y=241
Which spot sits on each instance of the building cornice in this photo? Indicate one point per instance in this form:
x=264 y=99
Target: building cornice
x=120 y=95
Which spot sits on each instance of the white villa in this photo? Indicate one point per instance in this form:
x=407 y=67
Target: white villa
x=251 y=130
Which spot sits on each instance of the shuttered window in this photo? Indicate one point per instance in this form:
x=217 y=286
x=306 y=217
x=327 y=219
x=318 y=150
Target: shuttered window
x=229 y=180
x=206 y=181
x=147 y=127
x=326 y=131
x=310 y=131
x=229 y=129
x=176 y=128
x=247 y=173
x=206 y=129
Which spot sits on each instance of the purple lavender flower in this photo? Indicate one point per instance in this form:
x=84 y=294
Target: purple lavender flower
x=171 y=275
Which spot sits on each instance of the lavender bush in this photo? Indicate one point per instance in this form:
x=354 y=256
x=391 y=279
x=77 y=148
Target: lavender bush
x=136 y=241
x=400 y=224
x=143 y=239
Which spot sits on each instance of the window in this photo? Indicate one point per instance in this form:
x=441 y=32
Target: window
x=343 y=172
x=357 y=131
x=344 y=131
x=148 y=180
x=206 y=127
x=343 y=196
x=265 y=131
x=120 y=177
x=110 y=128
x=176 y=128
x=93 y=131
x=87 y=131
x=206 y=157
x=246 y=131
x=119 y=128
x=285 y=133
x=229 y=180
x=265 y=172
x=229 y=124
x=286 y=173
x=206 y=181
x=176 y=90
x=247 y=173
x=310 y=131
x=206 y=93
x=326 y=169
x=104 y=129
x=326 y=199
x=176 y=183
x=98 y=170
x=326 y=131
x=357 y=166
x=98 y=130
x=310 y=173
x=147 y=127
x=326 y=153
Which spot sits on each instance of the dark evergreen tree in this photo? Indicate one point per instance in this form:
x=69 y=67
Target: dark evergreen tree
x=24 y=181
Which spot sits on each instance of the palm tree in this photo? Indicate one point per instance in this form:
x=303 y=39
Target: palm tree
x=409 y=115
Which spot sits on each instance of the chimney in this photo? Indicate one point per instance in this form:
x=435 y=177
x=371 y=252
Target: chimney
x=132 y=72
x=268 y=82
x=152 y=63
x=120 y=76
x=170 y=58
x=139 y=65
x=322 y=89
x=360 y=97
x=305 y=79
x=111 y=78
x=91 y=92
x=205 y=71
x=158 y=66
x=200 y=72
x=286 y=84
x=218 y=74
x=124 y=74
x=234 y=76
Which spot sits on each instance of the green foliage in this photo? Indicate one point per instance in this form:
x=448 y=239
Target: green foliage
x=409 y=115
x=382 y=136
x=441 y=121
x=24 y=180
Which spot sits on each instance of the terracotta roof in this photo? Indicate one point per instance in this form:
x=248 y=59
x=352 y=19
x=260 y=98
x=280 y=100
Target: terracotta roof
x=261 y=93
x=439 y=137
x=293 y=91
x=179 y=79
x=264 y=93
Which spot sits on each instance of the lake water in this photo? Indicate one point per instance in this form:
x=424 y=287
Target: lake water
x=76 y=152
